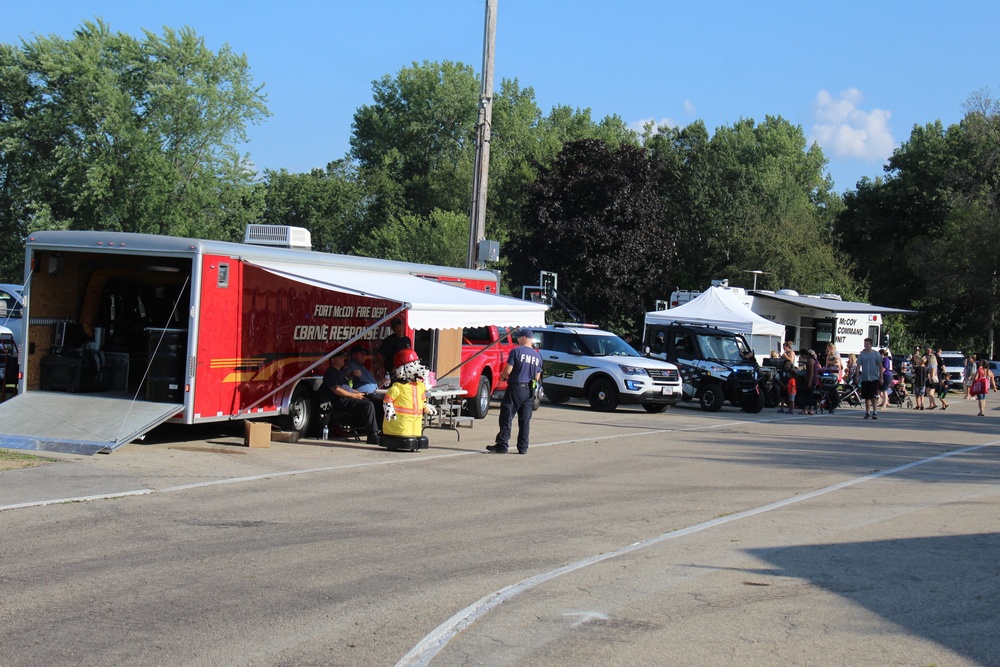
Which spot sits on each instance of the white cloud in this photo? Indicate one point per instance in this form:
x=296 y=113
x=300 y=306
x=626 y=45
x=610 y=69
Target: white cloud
x=639 y=126
x=845 y=130
x=689 y=108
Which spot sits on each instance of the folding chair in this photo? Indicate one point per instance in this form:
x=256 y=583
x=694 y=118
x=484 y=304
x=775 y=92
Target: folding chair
x=341 y=423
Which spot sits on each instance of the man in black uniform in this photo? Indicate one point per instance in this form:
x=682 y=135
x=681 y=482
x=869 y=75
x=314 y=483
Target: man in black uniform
x=337 y=387
x=393 y=344
x=523 y=370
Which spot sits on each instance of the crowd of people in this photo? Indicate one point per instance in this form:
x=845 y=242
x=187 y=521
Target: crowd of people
x=872 y=373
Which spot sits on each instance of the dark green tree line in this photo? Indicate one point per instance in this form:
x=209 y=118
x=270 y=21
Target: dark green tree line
x=107 y=131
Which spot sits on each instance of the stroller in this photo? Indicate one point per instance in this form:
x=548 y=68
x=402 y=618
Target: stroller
x=849 y=394
x=898 y=395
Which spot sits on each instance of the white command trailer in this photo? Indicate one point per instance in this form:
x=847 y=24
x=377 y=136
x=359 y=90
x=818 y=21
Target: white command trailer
x=126 y=331
x=813 y=321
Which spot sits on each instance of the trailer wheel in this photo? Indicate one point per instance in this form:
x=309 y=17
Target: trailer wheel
x=479 y=406
x=300 y=411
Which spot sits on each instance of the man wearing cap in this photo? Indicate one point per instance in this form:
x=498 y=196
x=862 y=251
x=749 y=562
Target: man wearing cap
x=523 y=370
x=337 y=387
x=362 y=379
x=393 y=343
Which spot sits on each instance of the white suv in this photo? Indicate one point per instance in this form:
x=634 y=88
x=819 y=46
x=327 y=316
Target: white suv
x=954 y=361
x=581 y=362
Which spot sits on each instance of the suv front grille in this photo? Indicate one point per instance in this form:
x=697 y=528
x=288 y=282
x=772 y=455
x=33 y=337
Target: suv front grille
x=664 y=376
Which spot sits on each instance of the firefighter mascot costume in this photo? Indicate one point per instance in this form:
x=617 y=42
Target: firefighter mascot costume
x=405 y=403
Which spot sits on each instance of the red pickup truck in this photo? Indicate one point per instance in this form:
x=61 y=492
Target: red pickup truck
x=481 y=376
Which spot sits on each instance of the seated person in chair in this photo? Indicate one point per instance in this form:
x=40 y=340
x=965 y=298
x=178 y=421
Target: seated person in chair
x=362 y=379
x=355 y=369
x=337 y=387
x=405 y=401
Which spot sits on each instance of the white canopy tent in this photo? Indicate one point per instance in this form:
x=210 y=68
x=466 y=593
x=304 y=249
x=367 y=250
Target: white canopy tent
x=719 y=307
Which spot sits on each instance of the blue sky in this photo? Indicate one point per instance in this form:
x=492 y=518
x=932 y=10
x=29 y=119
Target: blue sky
x=856 y=76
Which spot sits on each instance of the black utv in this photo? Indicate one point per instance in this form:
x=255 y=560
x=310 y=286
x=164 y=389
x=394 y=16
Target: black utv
x=716 y=366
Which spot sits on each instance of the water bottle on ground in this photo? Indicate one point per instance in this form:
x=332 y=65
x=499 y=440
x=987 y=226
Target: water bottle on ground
x=326 y=432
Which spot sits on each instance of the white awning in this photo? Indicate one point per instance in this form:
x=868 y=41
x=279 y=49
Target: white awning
x=430 y=304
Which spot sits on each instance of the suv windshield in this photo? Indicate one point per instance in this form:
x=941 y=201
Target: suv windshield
x=953 y=362
x=723 y=348
x=607 y=345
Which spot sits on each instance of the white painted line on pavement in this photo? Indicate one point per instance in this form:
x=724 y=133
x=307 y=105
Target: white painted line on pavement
x=77 y=499
x=433 y=643
x=306 y=471
x=289 y=473
x=228 y=480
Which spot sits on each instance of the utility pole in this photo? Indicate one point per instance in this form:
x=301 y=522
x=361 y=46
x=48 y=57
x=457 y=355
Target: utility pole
x=477 y=222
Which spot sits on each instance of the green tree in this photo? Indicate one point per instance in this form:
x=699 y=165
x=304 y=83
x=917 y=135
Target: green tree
x=523 y=145
x=328 y=202
x=752 y=197
x=106 y=131
x=414 y=147
x=439 y=238
x=925 y=235
x=685 y=186
x=594 y=217
x=419 y=135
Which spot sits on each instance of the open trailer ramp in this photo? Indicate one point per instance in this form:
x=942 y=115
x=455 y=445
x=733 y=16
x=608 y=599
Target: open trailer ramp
x=77 y=423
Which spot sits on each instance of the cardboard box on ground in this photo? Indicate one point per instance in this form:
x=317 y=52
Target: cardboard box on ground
x=257 y=434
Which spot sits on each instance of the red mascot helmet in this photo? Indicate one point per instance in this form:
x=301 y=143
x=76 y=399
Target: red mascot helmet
x=404 y=357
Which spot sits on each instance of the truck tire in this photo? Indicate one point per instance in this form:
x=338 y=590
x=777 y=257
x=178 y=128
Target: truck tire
x=754 y=404
x=654 y=408
x=555 y=396
x=536 y=399
x=479 y=405
x=300 y=411
x=712 y=397
x=602 y=395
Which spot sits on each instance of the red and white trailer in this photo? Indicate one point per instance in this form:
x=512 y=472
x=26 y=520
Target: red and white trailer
x=127 y=331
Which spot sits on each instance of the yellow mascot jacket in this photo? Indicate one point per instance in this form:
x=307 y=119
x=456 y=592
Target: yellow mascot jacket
x=407 y=399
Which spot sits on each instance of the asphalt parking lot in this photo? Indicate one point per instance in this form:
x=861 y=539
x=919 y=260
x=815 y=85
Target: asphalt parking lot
x=622 y=538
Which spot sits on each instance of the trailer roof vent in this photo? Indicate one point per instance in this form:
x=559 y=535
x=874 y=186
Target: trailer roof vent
x=278 y=235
